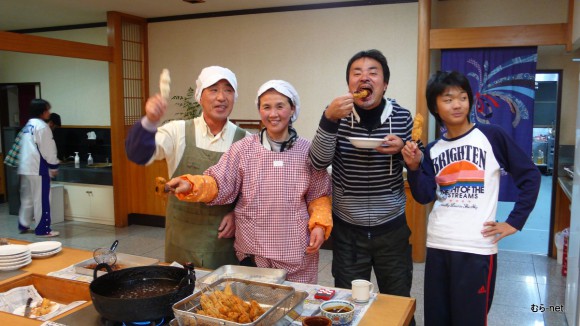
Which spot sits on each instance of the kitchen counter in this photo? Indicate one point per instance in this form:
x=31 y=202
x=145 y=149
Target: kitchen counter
x=67 y=257
x=84 y=174
x=562 y=205
x=386 y=310
x=566 y=185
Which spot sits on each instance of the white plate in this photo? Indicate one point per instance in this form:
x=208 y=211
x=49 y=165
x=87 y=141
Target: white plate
x=13 y=249
x=15 y=262
x=15 y=267
x=44 y=246
x=369 y=143
x=46 y=254
x=20 y=310
x=7 y=259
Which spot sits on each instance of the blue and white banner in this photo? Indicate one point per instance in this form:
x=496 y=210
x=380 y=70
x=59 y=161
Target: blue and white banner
x=503 y=84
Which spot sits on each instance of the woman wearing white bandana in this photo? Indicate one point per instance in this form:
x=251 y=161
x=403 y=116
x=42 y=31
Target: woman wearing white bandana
x=283 y=210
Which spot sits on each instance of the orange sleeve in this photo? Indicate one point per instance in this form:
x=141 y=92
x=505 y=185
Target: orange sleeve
x=320 y=211
x=203 y=189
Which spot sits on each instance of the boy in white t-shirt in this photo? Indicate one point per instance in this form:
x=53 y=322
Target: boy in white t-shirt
x=461 y=173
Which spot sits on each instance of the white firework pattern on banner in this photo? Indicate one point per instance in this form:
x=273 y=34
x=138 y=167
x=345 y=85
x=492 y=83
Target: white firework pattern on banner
x=491 y=88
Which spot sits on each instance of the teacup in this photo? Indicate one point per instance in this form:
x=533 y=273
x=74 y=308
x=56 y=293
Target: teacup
x=361 y=290
x=340 y=312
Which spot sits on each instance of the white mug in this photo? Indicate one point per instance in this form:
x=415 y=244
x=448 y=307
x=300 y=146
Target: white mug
x=361 y=290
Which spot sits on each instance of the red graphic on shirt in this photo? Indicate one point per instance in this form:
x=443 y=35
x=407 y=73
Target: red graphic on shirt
x=481 y=290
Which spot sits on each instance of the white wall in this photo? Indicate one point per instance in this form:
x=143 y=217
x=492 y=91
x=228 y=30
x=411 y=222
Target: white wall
x=77 y=89
x=310 y=49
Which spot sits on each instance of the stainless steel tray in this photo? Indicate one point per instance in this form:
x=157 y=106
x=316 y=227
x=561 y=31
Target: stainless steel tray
x=294 y=313
x=266 y=275
x=278 y=300
x=124 y=259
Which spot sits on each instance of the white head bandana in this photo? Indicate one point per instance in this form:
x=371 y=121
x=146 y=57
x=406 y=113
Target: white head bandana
x=210 y=76
x=285 y=88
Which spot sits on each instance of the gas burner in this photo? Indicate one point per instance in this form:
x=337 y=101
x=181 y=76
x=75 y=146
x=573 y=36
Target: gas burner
x=158 y=322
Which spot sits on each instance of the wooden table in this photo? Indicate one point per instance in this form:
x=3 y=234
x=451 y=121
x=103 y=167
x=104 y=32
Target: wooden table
x=385 y=310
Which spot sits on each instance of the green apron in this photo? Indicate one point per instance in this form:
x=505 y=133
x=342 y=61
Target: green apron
x=191 y=228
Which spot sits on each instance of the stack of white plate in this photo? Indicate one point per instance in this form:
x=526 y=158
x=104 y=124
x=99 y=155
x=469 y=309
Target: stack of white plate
x=14 y=256
x=45 y=249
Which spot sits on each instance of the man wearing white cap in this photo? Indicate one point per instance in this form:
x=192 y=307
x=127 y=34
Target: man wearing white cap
x=193 y=231
x=283 y=210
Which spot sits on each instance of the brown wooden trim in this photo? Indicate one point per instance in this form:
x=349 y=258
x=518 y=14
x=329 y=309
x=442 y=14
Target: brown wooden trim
x=49 y=46
x=570 y=25
x=499 y=36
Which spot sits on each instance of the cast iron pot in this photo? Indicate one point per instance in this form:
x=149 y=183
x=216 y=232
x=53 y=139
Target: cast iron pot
x=105 y=291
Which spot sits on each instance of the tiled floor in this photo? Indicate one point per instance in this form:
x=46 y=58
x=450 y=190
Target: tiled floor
x=523 y=279
x=534 y=237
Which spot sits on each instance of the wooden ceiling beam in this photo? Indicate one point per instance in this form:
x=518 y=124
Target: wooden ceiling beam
x=49 y=46
x=499 y=36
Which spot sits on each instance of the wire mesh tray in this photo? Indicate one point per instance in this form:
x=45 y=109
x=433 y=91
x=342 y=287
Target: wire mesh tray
x=276 y=299
x=266 y=275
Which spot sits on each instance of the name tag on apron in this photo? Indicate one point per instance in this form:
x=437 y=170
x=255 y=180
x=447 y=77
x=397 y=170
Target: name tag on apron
x=278 y=163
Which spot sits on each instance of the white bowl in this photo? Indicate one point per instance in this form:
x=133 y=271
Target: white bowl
x=368 y=143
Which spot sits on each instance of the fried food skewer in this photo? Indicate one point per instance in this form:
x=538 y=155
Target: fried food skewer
x=417 y=127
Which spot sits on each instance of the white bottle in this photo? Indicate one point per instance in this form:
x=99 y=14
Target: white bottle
x=77 y=160
x=90 y=160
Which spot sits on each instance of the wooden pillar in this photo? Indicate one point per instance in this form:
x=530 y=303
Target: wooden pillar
x=127 y=97
x=418 y=211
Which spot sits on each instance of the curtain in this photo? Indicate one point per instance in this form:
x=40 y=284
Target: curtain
x=503 y=84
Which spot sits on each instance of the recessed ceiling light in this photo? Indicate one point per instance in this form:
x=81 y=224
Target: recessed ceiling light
x=576 y=59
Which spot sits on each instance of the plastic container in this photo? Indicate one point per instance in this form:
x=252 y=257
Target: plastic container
x=90 y=160
x=540 y=159
x=77 y=160
x=559 y=242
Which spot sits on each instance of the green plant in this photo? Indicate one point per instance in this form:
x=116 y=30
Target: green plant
x=188 y=102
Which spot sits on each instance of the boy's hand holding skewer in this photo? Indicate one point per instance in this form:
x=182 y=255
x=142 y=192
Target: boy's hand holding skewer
x=411 y=153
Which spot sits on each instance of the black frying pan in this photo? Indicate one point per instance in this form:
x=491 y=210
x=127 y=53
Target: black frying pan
x=140 y=293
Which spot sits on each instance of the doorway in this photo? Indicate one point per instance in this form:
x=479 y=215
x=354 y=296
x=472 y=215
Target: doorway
x=14 y=113
x=535 y=236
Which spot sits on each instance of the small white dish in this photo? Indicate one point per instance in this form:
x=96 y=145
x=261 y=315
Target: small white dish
x=368 y=143
x=13 y=249
x=15 y=262
x=46 y=254
x=7 y=259
x=44 y=246
x=15 y=267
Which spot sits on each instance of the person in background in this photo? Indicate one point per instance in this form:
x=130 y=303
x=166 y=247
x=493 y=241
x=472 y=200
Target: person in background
x=38 y=163
x=54 y=121
x=11 y=158
x=368 y=200
x=283 y=212
x=194 y=232
x=461 y=173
